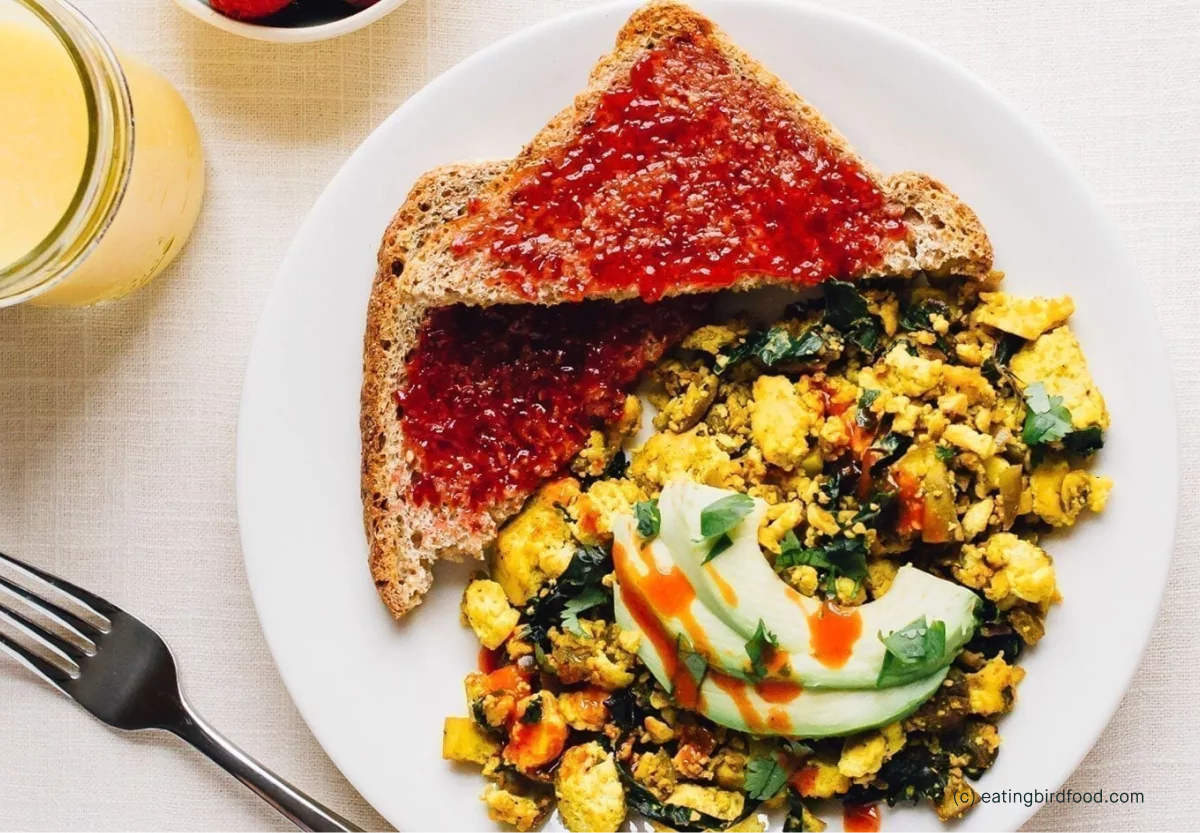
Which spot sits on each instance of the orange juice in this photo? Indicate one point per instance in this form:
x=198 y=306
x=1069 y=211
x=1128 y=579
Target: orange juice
x=44 y=165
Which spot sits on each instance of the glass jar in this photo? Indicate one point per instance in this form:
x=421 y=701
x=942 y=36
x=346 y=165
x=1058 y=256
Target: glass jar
x=101 y=172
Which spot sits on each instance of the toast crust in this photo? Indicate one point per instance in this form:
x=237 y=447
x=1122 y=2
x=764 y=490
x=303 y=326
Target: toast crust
x=400 y=566
x=941 y=234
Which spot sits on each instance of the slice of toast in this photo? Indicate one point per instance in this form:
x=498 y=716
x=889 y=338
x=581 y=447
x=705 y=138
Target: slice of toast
x=434 y=256
x=407 y=530
x=927 y=227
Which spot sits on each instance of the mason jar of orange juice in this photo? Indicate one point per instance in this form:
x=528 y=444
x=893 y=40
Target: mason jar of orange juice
x=101 y=172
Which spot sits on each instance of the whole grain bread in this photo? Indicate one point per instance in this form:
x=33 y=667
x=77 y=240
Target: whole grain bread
x=403 y=539
x=942 y=235
x=419 y=271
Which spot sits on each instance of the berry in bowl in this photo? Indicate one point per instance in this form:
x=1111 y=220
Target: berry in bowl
x=289 y=21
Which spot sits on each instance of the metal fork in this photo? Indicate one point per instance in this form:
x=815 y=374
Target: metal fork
x=122 y=672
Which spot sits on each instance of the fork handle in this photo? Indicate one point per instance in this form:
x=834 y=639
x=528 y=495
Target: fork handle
x=297 y=807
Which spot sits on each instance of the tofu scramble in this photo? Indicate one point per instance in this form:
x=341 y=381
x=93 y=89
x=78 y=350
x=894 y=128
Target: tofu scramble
x=941 y=424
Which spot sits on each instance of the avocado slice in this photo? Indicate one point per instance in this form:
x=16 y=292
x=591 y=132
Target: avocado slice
x=742 y=589
x=747 y=707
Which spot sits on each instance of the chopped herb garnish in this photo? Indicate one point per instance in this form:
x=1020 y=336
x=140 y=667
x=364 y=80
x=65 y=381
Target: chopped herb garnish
x=841 y=557
x=649 y=520
x=1046 y=418
x=723 y=515
x=758 y=648
x=587 y=569
x=764 y=777
x=693 y=661
x=944 y=453
x=589 y=598
x=913 y=651
x=721 y=543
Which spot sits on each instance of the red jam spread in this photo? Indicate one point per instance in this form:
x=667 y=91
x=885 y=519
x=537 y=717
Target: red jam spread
x=688 y=174
x=498 y=399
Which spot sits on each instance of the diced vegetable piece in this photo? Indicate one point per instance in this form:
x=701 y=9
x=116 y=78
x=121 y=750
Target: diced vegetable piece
x=464 y=741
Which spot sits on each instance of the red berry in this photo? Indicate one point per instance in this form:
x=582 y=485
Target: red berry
x=248 y=9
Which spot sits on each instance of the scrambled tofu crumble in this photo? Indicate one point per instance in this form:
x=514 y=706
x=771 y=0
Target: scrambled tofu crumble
x=939 y=423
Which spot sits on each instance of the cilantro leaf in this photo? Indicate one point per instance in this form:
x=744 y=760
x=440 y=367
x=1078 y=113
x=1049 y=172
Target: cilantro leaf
x=589 y=598
x=944 y=453
x=913 y=651
x=793 y=554
x=722 y=515
x=764 y=777
x=721 y=543
x=841 y=557
x=847 y=557
x=758 y=648
x=649 y=519
x=1046 y=418
x=693 y=661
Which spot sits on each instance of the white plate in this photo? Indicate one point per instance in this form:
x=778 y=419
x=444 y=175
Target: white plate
x=374 y=692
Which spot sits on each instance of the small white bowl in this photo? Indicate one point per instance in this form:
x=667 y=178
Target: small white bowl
x=293 y=28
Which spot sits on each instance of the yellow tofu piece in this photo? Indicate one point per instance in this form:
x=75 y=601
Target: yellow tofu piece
x=488 y=612
x=536 y=545
x=911 y=375
x=1060 y=495
x=508 y=808
x=463 y=740
x=666 y=456
x=1024 y=317
x=594 y=510
x=969 y=439
x=589 y=790
x=726 y=805
x=819 y=778
x=780 y=421
x=1057 y=361
x=1008 y=569
x=993 y=688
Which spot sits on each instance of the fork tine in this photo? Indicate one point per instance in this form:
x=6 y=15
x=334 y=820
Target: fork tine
x=97 y=606
x=80 y=634
x=48 y=671
x=38 y=631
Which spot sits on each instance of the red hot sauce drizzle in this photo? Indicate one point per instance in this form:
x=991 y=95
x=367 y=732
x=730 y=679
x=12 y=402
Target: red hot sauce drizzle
x=860 y=818
x=832 y=634
x=496 y=400
x=688 y=174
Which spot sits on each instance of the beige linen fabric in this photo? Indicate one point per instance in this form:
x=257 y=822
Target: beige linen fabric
x=117 y=452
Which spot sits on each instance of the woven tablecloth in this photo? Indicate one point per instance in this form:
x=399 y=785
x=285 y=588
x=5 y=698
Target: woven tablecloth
x=117 y=456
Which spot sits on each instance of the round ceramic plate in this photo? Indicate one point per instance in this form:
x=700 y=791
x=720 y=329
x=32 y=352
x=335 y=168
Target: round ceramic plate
x=375 y=692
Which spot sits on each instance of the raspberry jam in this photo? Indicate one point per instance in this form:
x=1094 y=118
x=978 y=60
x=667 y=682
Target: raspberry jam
x=498 y=399
x=689 y=174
